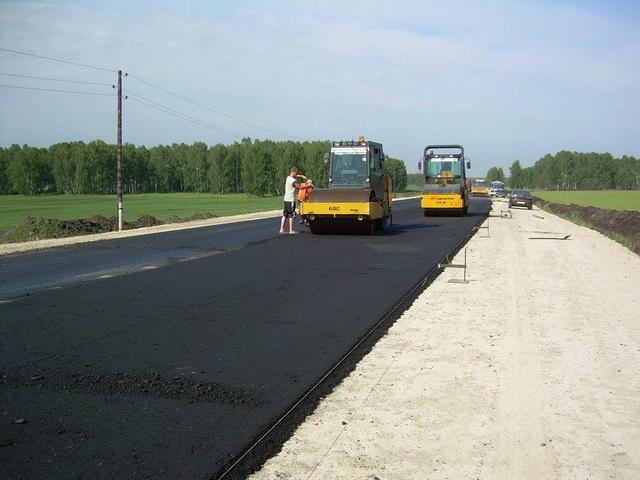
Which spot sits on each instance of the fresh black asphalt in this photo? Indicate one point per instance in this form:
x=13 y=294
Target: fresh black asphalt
x=171 y=372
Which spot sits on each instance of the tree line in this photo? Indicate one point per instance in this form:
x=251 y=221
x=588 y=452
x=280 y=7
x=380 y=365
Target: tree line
x=495 y=174
x=256 y=167
x=573 y=171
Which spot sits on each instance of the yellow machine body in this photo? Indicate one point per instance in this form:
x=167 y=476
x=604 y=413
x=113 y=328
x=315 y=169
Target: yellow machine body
x=479 y=188
x=334 y=203
x=335 y=210
x=372 y=210
x=479 y=191
x=447 y=201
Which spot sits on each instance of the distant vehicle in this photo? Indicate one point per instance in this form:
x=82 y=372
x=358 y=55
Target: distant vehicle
x=479 y=188
x=501 y=192
x=496 y=186
x=521 y=198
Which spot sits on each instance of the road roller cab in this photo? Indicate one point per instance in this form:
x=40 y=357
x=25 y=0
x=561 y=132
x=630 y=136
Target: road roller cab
x=444 y=181
x=358 y=199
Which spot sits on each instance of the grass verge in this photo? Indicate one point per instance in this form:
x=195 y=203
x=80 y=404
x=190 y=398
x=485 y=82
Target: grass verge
x=25 y=218
x=14 y=209
x=621 y=200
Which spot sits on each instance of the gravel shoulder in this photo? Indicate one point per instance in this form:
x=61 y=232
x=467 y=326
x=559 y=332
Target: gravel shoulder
x=528 y=371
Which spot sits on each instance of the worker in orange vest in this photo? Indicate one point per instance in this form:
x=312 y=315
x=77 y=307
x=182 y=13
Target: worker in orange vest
x=304 y=190
x=303 y=194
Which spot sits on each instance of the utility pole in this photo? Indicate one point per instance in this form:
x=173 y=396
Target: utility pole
x=119 y=153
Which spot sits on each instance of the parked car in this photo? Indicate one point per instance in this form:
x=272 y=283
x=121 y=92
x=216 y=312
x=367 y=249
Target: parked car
x=521 y=198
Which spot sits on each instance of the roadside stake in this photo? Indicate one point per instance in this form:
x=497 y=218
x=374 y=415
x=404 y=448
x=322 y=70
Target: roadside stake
x=503 y=214
x=457 y=265
x=485 y=227
x=566 y=237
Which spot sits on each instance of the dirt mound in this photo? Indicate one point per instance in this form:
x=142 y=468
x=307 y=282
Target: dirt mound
x=147 y=221
x=174 y=219
x=196 y=216
x=612 y=223
x=37 y=228
x=202 y=216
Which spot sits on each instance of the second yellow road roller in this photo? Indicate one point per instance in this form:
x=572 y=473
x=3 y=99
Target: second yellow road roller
x=445 y=188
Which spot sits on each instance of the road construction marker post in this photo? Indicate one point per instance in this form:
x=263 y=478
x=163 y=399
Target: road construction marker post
x=457 y=265
x=485 y=227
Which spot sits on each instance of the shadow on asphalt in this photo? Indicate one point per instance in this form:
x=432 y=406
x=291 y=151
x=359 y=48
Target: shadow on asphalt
x=476 y=214
x=398 y=229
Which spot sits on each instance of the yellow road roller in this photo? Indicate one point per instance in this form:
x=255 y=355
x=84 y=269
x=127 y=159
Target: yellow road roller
x=358 y=198
x=444 y=189
x=479 y=188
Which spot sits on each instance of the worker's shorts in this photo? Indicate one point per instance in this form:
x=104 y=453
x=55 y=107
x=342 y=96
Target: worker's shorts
x=289 y=211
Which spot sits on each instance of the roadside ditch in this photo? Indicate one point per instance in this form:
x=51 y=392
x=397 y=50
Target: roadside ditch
x=621 y=226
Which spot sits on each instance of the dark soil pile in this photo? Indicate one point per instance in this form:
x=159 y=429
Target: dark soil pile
x=195 y=216
x=146 y=221
x=611 y=223
x=41 y=228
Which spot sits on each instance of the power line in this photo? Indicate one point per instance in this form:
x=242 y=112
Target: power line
x=85 y=65
x=182 y=117
x=55 y=79
x=18 y=52
x=58 y=91
x=186 y=118
x=206 y=107
x=172 y=110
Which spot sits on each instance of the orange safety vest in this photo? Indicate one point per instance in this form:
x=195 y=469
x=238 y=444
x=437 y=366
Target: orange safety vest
x=303 y=193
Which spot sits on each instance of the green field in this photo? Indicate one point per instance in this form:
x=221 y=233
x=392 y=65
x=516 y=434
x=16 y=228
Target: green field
x=609 y=199
x=14 y=209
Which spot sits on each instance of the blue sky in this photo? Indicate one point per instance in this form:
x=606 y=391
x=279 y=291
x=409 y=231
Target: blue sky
x=508 y=80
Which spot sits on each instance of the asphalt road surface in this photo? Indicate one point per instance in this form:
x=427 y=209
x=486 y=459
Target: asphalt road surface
x=164 y=356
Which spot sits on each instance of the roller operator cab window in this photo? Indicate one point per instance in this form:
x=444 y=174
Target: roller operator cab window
x=375 y=160
x=443 y=167
x=349 y=168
